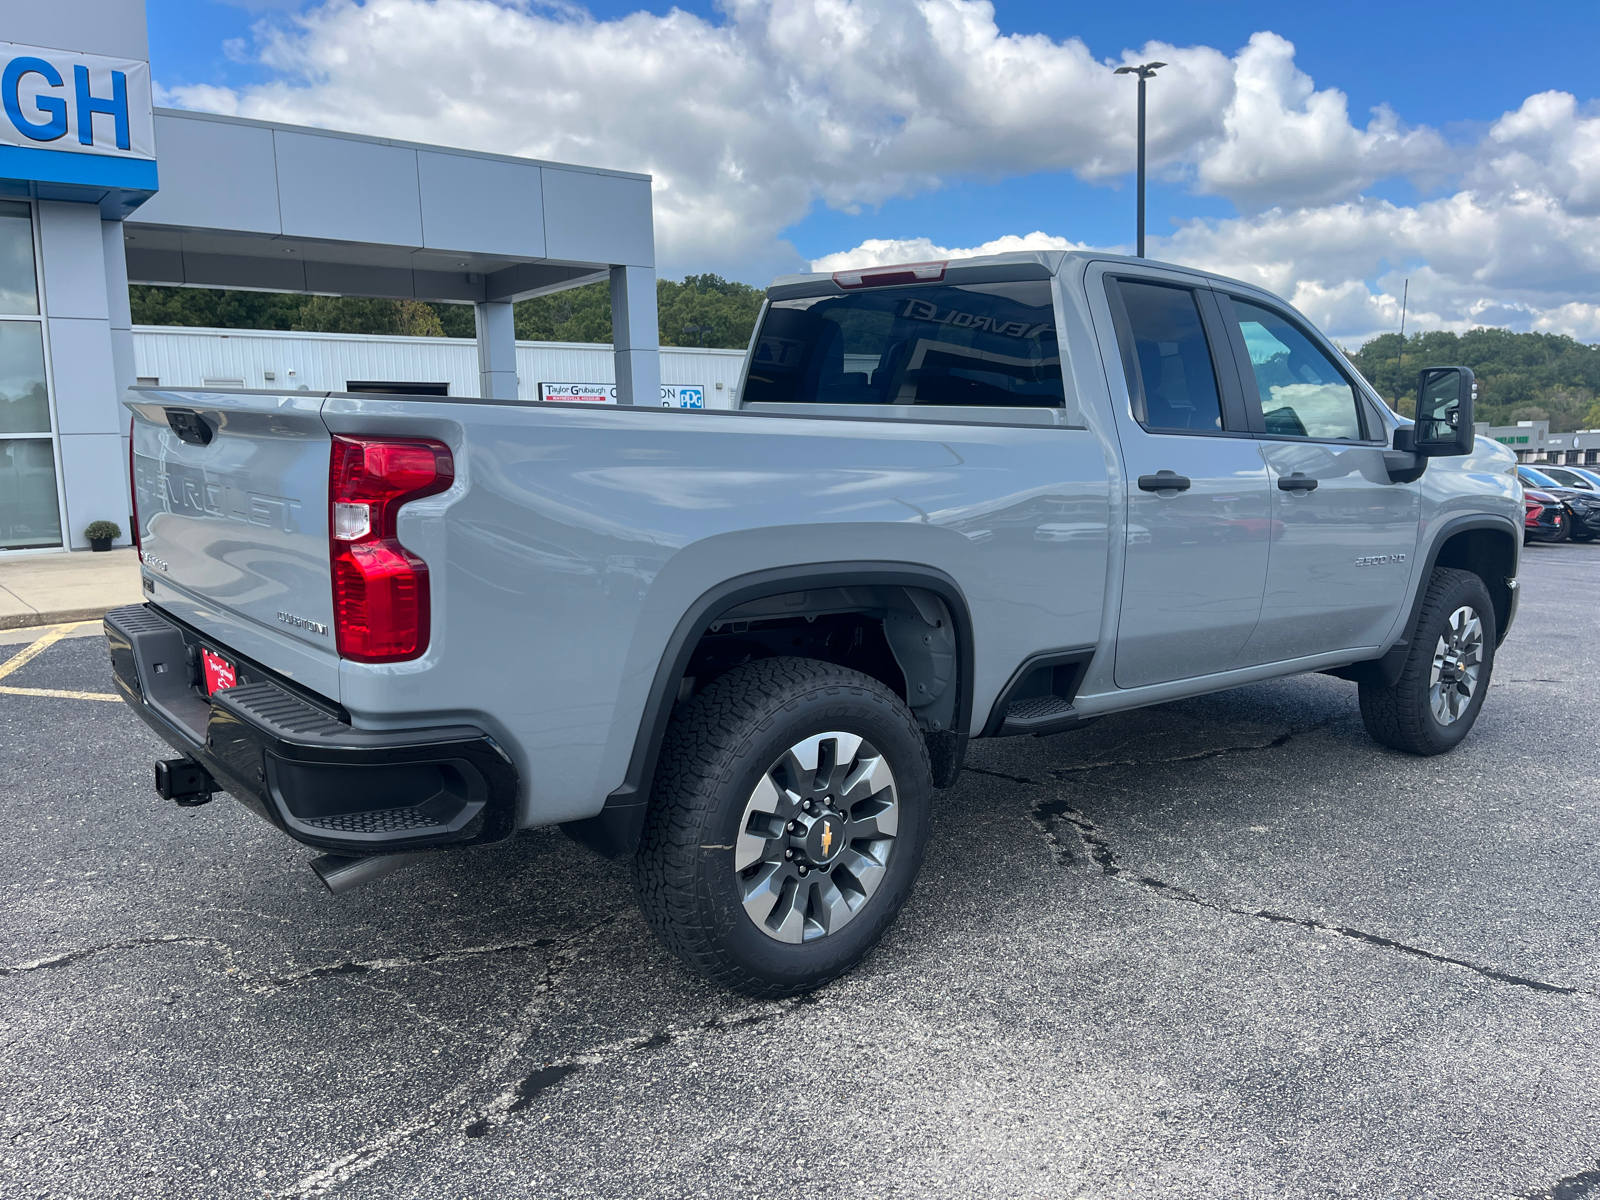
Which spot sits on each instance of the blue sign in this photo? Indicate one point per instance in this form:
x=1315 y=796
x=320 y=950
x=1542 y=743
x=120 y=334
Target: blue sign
x=76 y=119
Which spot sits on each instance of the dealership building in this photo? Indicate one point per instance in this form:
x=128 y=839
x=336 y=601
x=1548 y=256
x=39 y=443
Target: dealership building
x=99 y=189
x=1532 y=442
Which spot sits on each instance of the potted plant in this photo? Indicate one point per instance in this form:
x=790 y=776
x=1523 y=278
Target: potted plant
x=101 y=534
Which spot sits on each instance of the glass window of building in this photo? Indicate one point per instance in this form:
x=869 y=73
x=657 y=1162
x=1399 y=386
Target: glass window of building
x=19 y=288
x=30 y=510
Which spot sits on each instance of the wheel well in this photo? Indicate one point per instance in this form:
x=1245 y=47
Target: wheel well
x=904 y=637
x=1492 y=556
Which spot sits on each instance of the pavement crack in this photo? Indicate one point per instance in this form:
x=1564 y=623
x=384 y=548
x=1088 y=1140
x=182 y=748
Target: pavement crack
x=1569 y=1187
x=1283 y=739
x=1052 y=815
x=264 y=984
x=1023 y=780
x=71 y=956
x=518 y=1096
x=368 y=965
x=1374 y=939
x=448 y=1107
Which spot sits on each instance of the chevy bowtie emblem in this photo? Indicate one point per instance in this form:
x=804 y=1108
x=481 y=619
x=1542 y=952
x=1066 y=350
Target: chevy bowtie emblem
x=827 y=837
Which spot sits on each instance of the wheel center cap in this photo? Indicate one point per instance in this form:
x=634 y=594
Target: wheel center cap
x=823 y=839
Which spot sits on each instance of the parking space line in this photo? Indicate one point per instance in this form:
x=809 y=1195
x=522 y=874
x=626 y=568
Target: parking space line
x=32 y=651
x=35 y=648
x=58 y=693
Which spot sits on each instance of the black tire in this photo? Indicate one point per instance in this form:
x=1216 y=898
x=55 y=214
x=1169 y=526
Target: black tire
x=1403 y=716
x=717 y=749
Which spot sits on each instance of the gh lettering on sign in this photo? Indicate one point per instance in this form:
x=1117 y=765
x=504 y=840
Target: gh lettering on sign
x=80 y=103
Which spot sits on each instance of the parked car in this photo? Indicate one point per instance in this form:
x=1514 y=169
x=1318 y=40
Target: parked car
x=1543 y=519
x=1581 y=507
x=743 y=648
x=1579 y=478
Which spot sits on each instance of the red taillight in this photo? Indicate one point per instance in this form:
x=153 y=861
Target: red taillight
x=926 y=272
x=380 y=589
x=133 y=492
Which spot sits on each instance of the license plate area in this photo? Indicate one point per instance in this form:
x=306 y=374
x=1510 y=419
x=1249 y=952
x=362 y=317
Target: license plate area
x=218 y=673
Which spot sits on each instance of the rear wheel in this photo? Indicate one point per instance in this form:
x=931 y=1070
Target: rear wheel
x=786 y=826
x=1436 y=700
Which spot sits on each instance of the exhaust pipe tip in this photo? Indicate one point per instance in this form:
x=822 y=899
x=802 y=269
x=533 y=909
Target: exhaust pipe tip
x=341 y=873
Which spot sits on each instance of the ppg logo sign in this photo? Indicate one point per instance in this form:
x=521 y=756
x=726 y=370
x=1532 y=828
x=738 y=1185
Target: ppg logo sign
x=81 y=103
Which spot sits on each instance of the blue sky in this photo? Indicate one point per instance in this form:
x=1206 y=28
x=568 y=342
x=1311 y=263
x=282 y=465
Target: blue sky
x=1456 y=66
x=1243 y=183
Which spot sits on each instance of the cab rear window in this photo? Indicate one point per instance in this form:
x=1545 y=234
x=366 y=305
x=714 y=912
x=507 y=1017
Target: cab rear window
x=982 y=345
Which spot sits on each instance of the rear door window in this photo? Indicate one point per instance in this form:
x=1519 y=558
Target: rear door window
x=982 y=345
x=1173 y=381
x=1302 y=392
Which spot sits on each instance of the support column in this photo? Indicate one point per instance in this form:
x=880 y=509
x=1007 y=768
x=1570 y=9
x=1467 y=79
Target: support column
x=124 y=370
x=634 y=335
x=497 y=350
x=89 y=424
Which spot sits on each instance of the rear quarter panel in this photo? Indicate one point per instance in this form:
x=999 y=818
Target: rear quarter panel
x=575 y=540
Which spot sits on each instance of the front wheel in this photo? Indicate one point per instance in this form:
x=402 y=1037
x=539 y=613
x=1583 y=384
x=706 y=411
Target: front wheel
x=1436 y=700
x=786 y=826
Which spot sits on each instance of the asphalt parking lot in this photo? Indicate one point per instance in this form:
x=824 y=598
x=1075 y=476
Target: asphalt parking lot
x=1226 y=947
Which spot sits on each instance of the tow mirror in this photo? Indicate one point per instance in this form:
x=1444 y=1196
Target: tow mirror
x=1445 y=400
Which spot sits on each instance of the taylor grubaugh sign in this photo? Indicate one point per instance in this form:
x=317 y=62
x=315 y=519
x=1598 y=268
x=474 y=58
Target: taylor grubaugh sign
x=80 y=103
x=672 y=395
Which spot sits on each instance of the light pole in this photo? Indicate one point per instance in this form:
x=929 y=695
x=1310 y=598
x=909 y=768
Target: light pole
x=1143 y=71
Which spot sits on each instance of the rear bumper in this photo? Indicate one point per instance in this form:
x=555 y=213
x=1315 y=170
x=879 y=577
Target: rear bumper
x=300 y=764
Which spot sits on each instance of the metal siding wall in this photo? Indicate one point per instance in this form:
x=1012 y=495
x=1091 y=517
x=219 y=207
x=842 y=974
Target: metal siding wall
x=327 y=361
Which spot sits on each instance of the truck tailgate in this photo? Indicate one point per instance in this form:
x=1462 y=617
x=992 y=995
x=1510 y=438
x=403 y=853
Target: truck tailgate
x=232 y=495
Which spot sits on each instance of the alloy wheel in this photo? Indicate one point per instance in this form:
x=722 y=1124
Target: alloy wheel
x=815 y=837
x=1457 y=661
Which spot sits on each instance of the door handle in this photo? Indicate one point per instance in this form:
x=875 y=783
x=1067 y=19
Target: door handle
x=1166 y=481
x=1297 y=482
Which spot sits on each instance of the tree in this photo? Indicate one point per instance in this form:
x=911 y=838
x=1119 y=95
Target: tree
x=1517 y=373
x=217 y=308
x=703 y=310
x=348 y=314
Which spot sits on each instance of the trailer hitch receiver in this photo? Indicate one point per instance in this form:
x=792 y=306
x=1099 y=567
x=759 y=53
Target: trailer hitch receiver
x=185 y=781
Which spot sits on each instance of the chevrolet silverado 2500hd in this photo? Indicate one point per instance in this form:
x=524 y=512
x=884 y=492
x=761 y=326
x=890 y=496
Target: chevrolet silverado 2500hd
x=981 y=498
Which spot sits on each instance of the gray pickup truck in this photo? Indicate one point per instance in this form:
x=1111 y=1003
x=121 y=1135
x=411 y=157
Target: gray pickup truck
x=983 y=498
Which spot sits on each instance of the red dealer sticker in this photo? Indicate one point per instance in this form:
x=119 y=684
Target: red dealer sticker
x=220 y=674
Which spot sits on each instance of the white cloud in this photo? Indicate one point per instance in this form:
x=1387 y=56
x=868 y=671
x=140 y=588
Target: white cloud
x=201 y=96
x=1284 y=142
x=876 y=251
x=745 y=125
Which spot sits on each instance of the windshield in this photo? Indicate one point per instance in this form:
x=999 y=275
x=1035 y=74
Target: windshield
x=1572 y=479
x=1537 y=478
x=976 y=345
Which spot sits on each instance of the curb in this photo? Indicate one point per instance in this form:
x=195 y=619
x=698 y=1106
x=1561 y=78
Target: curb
x=65 y=616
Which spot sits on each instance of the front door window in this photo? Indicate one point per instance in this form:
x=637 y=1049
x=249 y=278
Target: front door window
x=1301 y=392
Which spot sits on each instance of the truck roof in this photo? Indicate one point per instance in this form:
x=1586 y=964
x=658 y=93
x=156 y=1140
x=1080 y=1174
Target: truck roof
x=1045 y=262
